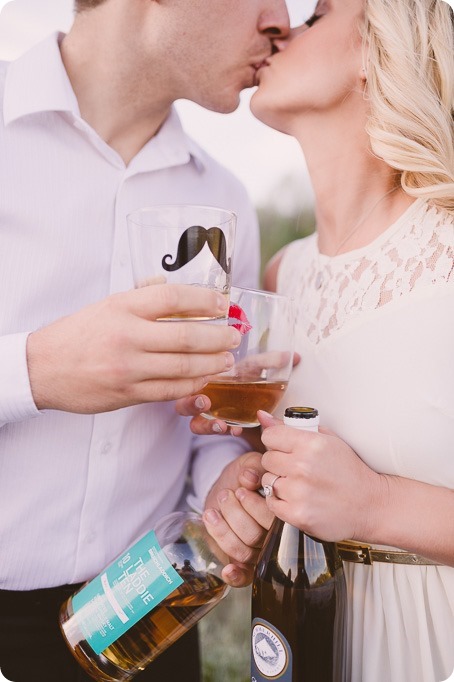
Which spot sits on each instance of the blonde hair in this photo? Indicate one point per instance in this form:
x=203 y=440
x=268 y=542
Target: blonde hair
x=409 y=61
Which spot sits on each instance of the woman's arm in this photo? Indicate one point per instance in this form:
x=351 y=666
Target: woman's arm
x=328 y=491
x=271 y=270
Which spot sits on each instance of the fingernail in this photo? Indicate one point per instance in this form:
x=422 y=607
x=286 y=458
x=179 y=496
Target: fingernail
x=233 y=575
x=223 y=496
x=229 y=360
x=212 y=516
x=240 y=494
x=217 y=428
x=265 y=414
x=200 y=403
x=251 y=476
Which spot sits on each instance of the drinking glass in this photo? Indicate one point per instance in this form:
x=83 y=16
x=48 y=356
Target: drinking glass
x=182 y=244
x=263 y=360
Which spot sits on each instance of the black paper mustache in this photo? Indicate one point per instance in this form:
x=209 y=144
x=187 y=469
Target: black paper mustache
x=192 y=242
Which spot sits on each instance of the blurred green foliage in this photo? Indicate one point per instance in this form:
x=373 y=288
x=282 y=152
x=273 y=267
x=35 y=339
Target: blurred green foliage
x=277 y=229
x=225 y=639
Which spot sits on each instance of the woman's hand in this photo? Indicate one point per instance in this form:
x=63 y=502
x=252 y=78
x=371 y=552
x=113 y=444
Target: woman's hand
x=323 y=488
x=237 y=517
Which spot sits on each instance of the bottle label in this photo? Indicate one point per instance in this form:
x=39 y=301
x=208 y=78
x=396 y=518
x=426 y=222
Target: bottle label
x=271 y=653
x=129 y=588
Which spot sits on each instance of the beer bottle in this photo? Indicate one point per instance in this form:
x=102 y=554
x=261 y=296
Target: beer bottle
x=145 y=600
x=298 y=600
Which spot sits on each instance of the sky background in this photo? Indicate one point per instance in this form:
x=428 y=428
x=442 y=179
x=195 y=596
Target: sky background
x=269 y=163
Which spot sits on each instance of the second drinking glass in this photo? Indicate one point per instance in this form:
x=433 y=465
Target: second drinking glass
x=263 y=361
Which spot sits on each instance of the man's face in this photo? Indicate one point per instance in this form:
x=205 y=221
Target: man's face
x=214 y=47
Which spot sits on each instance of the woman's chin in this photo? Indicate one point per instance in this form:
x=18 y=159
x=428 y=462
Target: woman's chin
x=259 y=107
x=262 y=108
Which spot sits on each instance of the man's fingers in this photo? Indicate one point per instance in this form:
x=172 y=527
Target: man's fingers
x=163 y=300
x=229 y=540
x=256 y=506
x=238 y=575
x=183 y=337
x=167 y=390
x=192 y=405
x=181 y=365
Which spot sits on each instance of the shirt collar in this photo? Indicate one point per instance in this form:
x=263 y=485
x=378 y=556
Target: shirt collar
x=37 y=82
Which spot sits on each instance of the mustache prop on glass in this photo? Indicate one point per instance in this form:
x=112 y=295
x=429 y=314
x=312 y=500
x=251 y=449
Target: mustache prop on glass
x=183 y=244
x=192 y=242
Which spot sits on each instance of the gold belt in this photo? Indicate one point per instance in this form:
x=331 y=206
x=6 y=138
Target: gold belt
x=362 y=553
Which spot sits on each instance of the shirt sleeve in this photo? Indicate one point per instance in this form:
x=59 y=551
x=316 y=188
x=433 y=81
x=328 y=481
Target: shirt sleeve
x=211 y=454
x=16 y=400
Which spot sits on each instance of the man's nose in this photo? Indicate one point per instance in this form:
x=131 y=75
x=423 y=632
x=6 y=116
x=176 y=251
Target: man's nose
x=275 y=20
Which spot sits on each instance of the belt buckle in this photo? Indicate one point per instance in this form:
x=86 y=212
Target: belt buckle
x=357 y=552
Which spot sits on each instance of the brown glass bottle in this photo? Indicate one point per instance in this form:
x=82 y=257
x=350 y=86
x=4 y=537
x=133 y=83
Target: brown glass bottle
x=298 y=601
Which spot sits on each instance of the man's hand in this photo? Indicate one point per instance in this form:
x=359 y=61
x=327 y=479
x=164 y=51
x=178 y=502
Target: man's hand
x=237 y=517
x=116 y=353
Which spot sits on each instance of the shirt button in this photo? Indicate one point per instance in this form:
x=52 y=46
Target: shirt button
x=107 y=447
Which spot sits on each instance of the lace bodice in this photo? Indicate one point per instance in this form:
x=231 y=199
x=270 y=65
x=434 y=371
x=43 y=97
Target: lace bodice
x=416 y=251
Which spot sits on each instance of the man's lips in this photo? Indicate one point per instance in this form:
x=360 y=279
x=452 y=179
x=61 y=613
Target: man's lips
x=258 y=66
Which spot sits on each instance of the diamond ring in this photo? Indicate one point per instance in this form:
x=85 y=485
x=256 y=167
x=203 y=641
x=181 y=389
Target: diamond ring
x=268 y=489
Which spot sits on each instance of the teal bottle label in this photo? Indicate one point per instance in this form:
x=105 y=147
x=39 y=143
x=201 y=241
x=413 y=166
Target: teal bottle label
x=271 y=653
x=125 y=592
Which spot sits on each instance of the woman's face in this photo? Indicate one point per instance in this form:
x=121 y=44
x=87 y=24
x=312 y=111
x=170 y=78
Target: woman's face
x=316 y=70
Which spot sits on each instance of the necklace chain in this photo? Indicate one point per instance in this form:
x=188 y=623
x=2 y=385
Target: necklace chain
x=319 y=277
x=362 y=219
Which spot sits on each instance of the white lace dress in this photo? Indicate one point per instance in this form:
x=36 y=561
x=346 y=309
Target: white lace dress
x=375 y=330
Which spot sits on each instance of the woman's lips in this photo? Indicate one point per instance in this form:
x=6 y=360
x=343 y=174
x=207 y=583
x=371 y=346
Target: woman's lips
x=258 y=67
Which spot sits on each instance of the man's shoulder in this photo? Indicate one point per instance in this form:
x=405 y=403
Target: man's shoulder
x=3 y=69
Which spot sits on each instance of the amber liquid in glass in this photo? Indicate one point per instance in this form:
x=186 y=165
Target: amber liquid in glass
x=237 y=402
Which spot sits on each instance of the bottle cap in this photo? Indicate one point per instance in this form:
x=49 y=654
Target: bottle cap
x=301 y=412
x=302 y=418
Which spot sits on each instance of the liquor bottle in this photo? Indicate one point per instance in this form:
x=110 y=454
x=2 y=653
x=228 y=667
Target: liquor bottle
x=298 y=600
x=145 y=600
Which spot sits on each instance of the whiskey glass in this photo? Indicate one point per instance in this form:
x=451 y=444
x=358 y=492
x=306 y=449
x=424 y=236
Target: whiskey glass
x=263 y=360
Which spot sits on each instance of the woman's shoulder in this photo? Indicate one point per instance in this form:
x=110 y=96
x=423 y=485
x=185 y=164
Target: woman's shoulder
x=426 y=247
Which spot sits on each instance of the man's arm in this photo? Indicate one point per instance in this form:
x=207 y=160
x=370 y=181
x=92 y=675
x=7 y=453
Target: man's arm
x=115 y=353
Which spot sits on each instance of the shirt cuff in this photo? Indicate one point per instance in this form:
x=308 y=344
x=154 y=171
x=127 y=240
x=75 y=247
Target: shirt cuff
x=208 y=463
x=16 y=399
